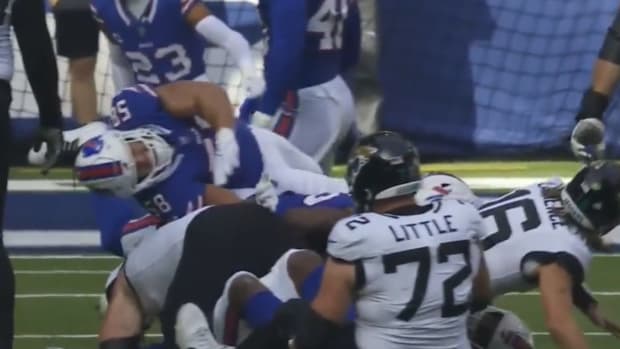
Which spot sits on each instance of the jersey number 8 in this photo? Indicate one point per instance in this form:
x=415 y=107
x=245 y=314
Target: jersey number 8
x=328 y=21
x=422 y=256
x=144 y=70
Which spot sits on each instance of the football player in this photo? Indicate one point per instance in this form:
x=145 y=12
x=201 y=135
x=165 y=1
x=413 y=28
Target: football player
x=306 y=100
x=412 y=271
x=158 y=154
x=542 y=236
x=165 y=260
x=163 y=41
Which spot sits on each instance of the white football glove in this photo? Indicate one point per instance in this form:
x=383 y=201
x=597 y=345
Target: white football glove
x=266 y=194
x=588 y=140
x=254 y=85
x=262 y=120
x=226 y=155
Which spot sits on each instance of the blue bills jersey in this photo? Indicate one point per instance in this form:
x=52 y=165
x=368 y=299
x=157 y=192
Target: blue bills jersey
x=290 y=200
x=194 y=147
x=309 y=42
x=160 y=44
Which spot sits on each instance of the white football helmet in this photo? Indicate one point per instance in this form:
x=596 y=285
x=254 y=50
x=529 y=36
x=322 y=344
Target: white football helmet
x=437 y=185
x=105 y=163
x=495 y=328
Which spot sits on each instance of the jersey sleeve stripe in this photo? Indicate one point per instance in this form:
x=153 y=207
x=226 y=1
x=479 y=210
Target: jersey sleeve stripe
x=146 y=89
x=140 y=223
x=186 y=5
x=93 y=10
x=152 y=10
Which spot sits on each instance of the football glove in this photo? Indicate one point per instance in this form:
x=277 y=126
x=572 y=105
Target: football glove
x=226 y=155
x=254 y=85
x=49 y=141
x=266 y=194
x=587 y=140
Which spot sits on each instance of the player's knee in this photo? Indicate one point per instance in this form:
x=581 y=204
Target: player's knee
x=82 y=69
x=242 y=288
x=300 y=264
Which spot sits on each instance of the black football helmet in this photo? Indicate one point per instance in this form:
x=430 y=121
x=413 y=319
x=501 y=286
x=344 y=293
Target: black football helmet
x=383 y=165
x=592 y=197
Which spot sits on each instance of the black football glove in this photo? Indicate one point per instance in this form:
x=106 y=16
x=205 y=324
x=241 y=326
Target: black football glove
x=53 y=140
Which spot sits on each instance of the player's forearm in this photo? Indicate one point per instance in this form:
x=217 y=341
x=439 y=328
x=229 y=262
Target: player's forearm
x=217 y=32
x=605 y=76
x=34 y=41
x=283 y=60
x=122 y=74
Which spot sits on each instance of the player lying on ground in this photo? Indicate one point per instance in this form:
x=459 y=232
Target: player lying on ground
x=159 y=145
x=156 y=42
x=311 y=42
x=216 y=238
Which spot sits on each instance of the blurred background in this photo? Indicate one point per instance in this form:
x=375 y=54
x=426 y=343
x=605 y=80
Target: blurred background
x=463 y=79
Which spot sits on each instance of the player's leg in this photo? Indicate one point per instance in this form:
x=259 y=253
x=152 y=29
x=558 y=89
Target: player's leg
x=7 y=279
x=77 y=38
x=217 y=245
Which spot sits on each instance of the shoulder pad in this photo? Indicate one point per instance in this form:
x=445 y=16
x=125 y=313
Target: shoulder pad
x=349 y=236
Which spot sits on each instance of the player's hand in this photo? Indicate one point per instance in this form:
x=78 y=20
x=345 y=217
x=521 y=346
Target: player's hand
x=50 y=142
x=254 y=85
x=588 y=140
x=266 y=194
x=226 y=155
x=262 y=120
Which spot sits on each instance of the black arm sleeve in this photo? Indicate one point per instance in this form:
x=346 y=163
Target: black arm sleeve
x=35 y=44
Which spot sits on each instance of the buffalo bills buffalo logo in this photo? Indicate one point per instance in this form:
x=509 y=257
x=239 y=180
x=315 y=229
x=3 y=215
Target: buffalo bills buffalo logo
x=92 y=147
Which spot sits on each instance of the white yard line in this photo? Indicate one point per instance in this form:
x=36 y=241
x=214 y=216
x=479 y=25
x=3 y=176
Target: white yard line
x=62 y=272
x=71 y=336
x=63 y=256
x=68 y=185
x=57 y=295
x=536 y=293
x=157 y=335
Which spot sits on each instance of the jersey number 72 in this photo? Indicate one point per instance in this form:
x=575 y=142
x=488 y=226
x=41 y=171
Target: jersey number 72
x=422 y=256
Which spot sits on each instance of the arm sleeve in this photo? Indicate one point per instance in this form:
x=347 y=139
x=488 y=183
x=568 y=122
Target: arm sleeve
x=286 y=46
x=34 y=41
x=217 y=32
x=122 y=74
x=351 y=38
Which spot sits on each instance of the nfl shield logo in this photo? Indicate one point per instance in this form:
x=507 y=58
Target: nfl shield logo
x=141 y=31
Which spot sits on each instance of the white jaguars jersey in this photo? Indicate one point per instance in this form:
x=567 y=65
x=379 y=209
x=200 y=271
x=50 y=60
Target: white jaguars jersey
x=524 y=230
x=150 y=267
x=415 y=274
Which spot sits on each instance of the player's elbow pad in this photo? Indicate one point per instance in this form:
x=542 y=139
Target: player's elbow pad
x=315 y=331
x=610 y=51
x=217 y=32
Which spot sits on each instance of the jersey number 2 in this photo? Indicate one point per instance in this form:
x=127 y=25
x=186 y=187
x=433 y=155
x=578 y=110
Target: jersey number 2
x=422 y=256
x=328 y=21
x=144 y=70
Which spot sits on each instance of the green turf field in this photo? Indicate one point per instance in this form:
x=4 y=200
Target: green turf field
x=57 y=302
